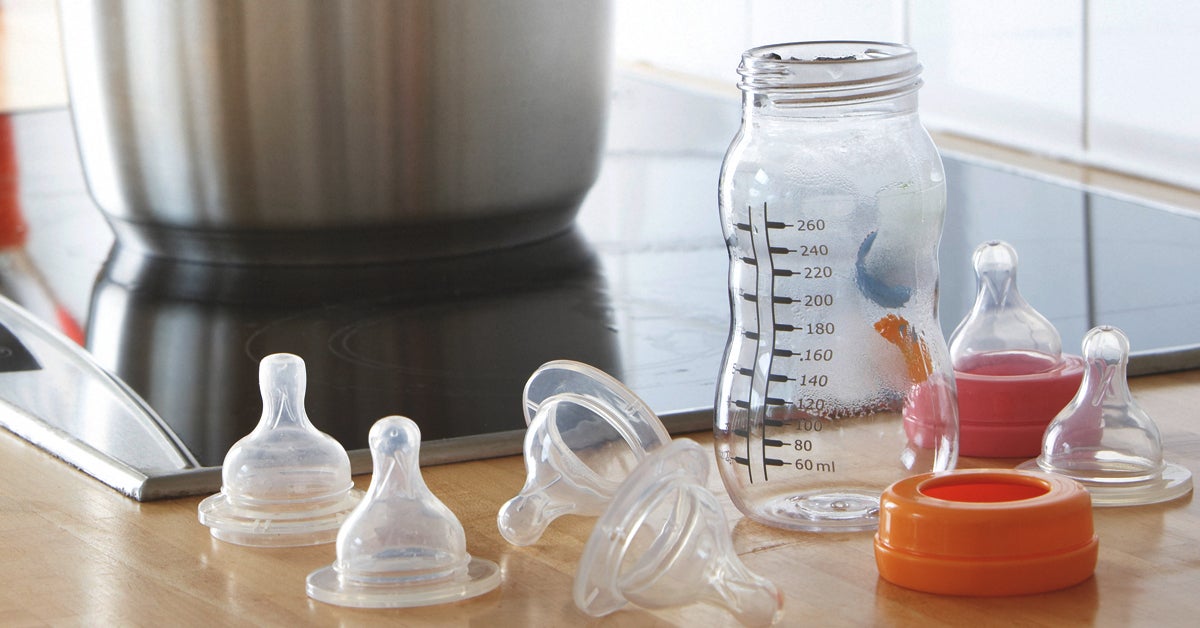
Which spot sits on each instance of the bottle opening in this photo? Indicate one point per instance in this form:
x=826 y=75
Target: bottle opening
x=981 y=490
x=824 y=72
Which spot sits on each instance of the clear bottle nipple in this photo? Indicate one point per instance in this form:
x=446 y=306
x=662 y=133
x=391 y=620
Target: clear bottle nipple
x=401 y=547
x=1011 y=374
x=286 y=483
x=664 y=542
x=586 y=432
x=1104 y=439
x=1002 y=334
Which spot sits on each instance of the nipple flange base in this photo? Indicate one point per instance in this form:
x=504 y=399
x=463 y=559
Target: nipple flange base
x=329 y=586
x=277 y=525
x=1172 y=482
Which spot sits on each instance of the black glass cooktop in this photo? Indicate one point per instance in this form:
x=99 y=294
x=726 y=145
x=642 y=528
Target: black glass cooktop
x=636 y=289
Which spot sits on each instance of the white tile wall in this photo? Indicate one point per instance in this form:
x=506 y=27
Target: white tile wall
x=775 y=21
x=1011 y=71
x=31 y=75
x=706 y=38
x=1144 y=87
x=1107 y=82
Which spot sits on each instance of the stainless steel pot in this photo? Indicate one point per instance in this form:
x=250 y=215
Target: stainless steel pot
x=337 y=130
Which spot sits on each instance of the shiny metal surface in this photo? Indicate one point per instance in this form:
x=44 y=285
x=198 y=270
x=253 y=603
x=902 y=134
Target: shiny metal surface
x=334 y=130
x=53 y=394
x=440 y=341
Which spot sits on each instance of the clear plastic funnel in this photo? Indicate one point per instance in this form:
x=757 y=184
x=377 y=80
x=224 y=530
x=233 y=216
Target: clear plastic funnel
x=1103 y=438
x=586 y=432
x=401 y=547
x=664 y=542
x=286 y=483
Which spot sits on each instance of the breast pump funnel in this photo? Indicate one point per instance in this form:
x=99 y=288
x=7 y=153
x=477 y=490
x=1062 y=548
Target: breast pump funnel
x=286 y=483
x=575 y=411
x=1011 y=374
x=1104 y=440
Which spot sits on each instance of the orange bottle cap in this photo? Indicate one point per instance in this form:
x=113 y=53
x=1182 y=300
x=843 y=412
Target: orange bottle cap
x=986 y=532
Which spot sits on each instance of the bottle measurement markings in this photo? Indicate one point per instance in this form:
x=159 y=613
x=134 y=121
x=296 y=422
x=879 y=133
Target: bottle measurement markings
x=769 y=329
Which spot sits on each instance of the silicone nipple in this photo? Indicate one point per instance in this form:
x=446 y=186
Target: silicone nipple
x=586 y=433
x=285 y=483
x=1009 y=368
x=1003 y=334
x=663 y=542
x=401 y=546
x=1104 y=440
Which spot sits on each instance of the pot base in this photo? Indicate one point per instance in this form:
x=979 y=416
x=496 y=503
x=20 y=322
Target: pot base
x=347 y=245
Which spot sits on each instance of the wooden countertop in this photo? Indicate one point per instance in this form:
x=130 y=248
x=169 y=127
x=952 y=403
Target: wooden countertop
x=76 y=552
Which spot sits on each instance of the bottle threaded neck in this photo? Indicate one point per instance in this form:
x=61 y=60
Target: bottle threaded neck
x=823 y=73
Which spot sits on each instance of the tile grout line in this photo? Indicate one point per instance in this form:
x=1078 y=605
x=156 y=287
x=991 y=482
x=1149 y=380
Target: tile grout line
x=1085 y=80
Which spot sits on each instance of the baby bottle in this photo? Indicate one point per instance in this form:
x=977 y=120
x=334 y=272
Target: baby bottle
x=832 y=198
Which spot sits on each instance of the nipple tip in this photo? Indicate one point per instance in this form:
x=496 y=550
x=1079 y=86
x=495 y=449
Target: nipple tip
x=658 y=520
x=994 y=255
x=275 y=363
x=573 y=407
x=394 y=435
x=401 y=546
x=286 y=483
x=1106 y=343
x=522 y=520
x=1104 y=440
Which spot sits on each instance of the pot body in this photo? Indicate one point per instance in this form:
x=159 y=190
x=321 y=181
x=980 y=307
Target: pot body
x=310 y=130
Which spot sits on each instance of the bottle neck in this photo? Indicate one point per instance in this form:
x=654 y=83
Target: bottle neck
x=776 y=105
x=830 y=79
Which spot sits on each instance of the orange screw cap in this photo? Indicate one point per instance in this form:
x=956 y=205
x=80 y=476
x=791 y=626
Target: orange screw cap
x=986 y=532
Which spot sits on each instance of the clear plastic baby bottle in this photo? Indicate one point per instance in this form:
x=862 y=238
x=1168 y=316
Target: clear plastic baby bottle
x=832 y=199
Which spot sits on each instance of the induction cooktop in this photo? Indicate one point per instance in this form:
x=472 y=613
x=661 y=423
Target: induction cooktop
x=636 y=288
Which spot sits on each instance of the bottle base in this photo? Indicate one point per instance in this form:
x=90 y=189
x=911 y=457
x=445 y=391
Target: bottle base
x=851 y=510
